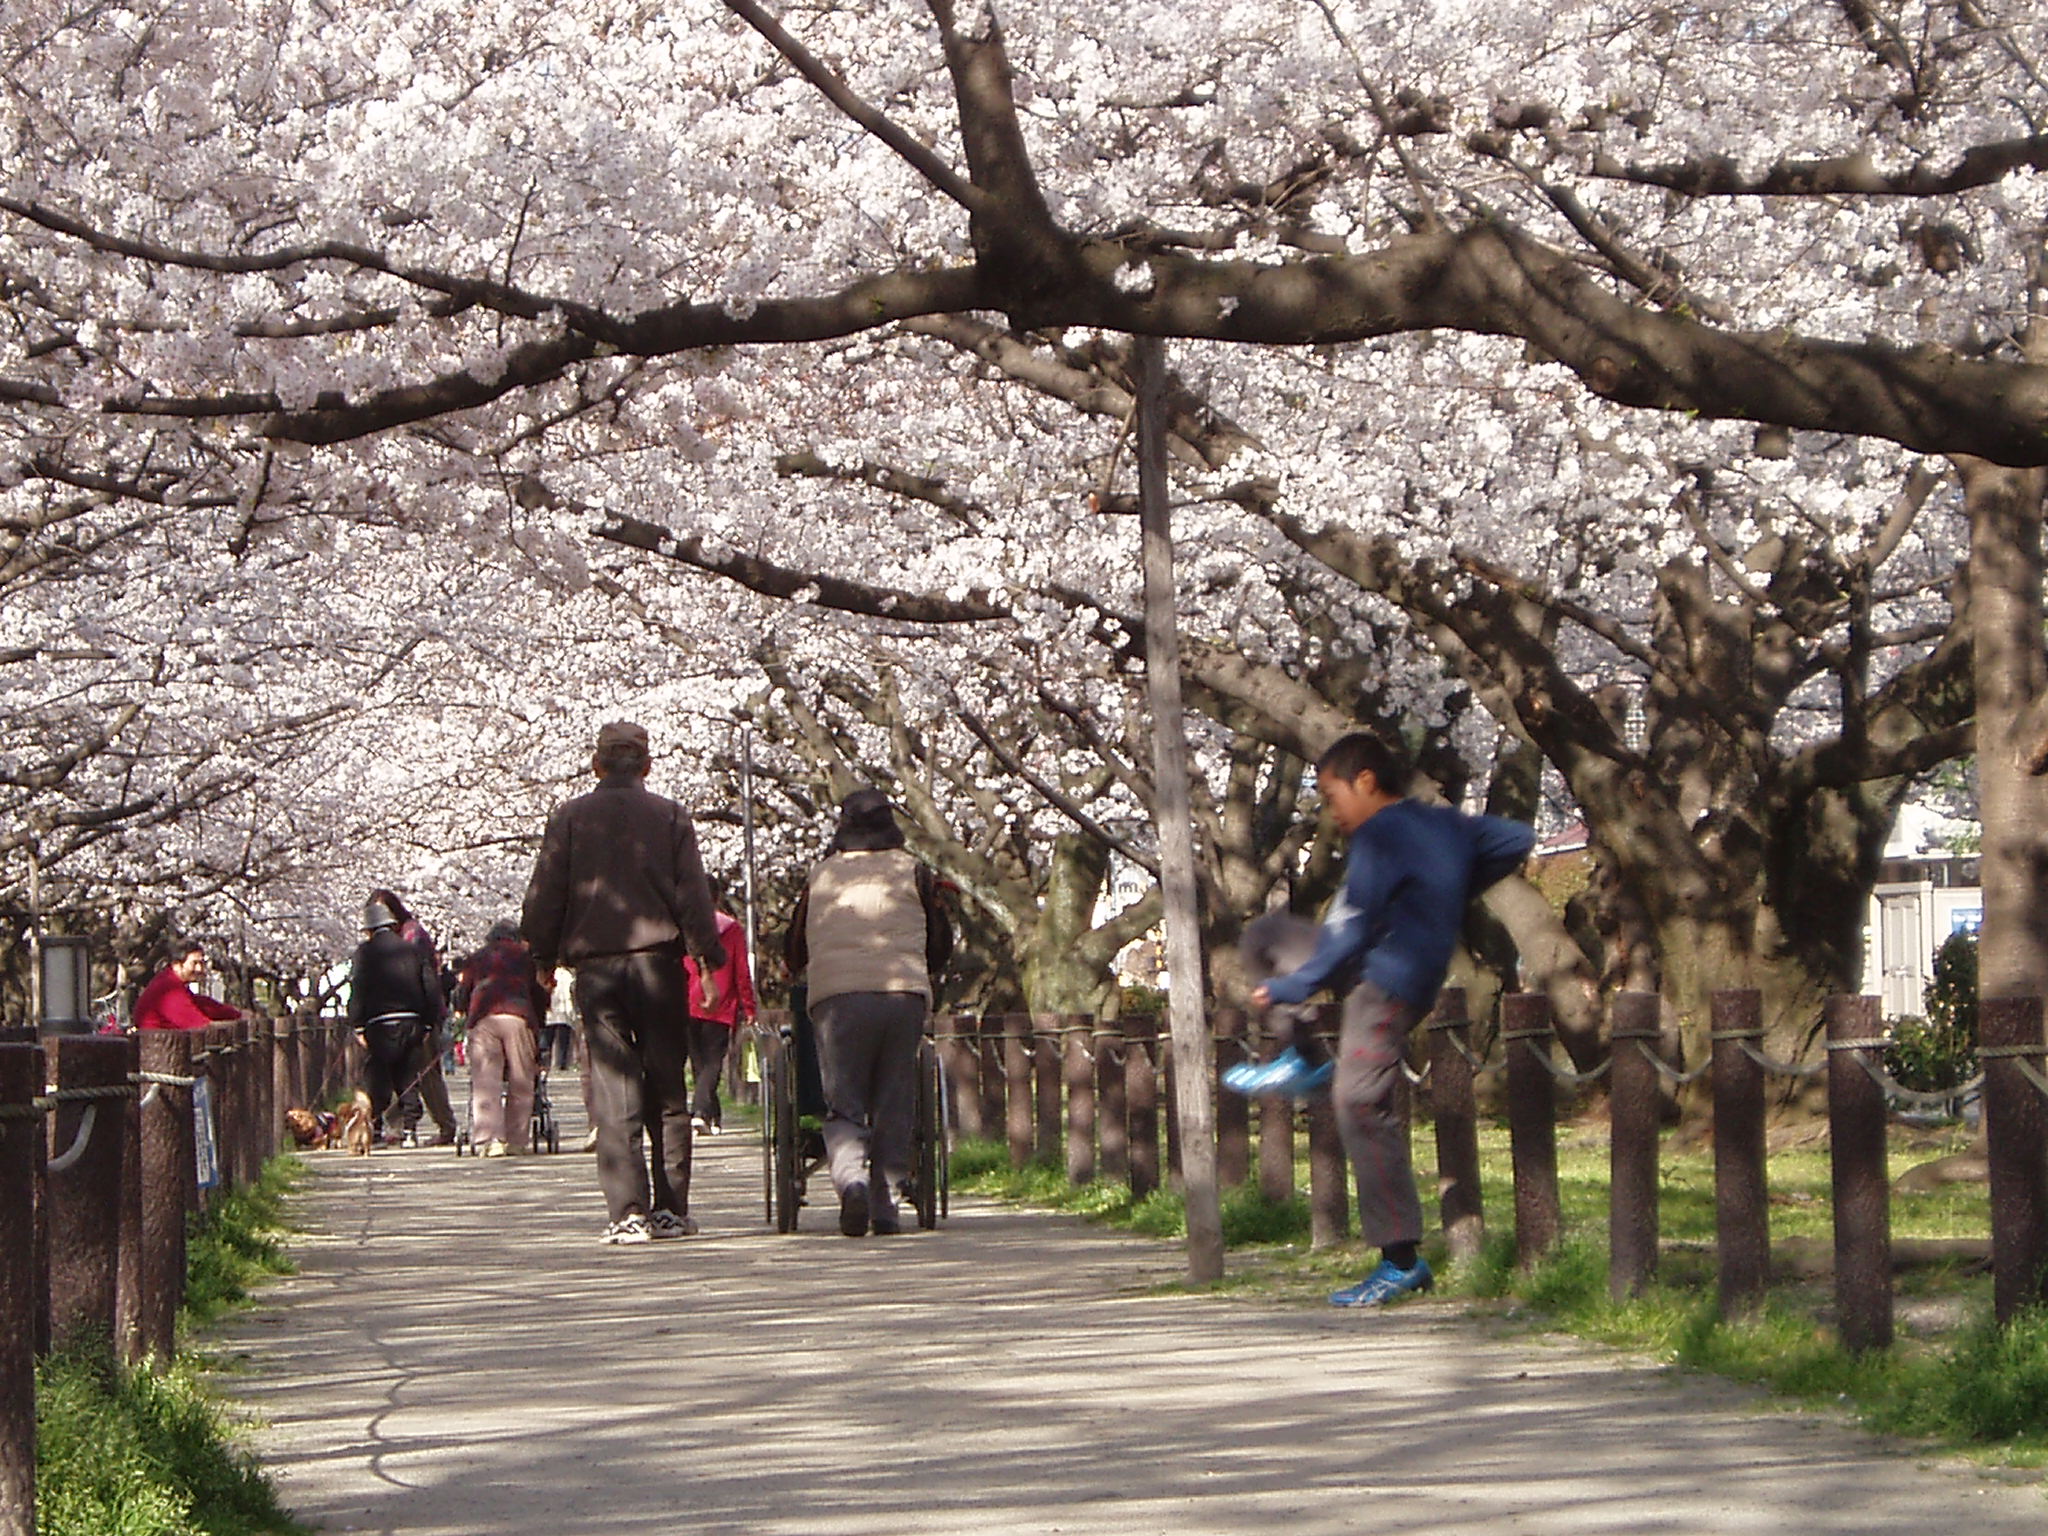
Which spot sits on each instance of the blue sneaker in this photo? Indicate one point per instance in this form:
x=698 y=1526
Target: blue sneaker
x=1286 y=1073
x=1387 y=1283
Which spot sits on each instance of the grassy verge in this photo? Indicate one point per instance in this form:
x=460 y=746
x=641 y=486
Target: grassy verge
x=151 y=1453
x=1952 y=1376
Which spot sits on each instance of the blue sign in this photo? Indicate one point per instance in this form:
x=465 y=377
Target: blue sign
x=205 y=1150
x=1966 y=920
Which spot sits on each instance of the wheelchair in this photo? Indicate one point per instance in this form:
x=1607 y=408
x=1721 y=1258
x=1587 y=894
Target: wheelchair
x=792 y=1091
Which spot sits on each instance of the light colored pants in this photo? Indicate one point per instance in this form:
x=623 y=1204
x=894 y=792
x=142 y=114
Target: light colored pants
x=1369 y=1046
x=502 y=1062
x=867 y=1054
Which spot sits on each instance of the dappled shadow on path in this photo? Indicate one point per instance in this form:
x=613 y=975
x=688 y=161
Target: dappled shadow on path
x=458 y=1355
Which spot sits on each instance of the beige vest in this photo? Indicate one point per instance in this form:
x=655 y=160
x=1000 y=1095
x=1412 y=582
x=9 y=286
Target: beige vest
x=865 y=925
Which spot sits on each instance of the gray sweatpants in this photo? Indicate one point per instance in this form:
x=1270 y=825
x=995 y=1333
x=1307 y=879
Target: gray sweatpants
x=1369 y=1046
x=867 y=1054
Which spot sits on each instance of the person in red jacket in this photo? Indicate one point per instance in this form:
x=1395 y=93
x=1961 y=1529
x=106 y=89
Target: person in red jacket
x=713 y=1025
x=169 y=1002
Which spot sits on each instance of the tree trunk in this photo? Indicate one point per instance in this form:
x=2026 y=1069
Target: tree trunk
x=2005 y=509
x=1194 y=1058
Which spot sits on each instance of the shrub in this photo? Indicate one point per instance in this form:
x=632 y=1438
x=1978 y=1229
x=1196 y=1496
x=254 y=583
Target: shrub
x=1940 y=1050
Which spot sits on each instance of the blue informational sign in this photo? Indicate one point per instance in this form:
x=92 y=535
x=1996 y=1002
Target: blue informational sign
x=1966 y=920
x=204 y=1148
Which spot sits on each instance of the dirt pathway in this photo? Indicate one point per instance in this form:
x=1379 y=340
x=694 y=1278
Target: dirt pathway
x=459 y=1357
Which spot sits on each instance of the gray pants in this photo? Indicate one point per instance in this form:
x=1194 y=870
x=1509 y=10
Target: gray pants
x=1375 y=1031
x=867 y=1054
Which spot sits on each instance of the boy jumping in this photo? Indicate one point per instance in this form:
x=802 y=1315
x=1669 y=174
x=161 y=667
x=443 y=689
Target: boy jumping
x=1410 y=870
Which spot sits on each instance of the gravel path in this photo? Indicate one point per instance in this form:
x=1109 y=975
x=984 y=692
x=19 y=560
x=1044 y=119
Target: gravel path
x=458 y=1355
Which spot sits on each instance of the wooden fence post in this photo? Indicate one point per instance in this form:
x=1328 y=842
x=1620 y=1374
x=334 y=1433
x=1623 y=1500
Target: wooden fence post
x=21 y=1138
x=1020 y=1124
x=1857 y=1173
x=1141 y=1102
x=128 y=1278
x=1276 y=1138
x=1112 y=1128
x=1532 y=1124
x=995 y=1097
x=1632 y=1153
x=1329 y=1173
x=1742 y=1233
x=1077 y=1066
x=1047 y=1135
x=83 y=1184
x=1453 y=1107
x=1233 y=1110
x=168 y=1178
x=284 y=1090
x=2016 y=1136
x=960 y=1059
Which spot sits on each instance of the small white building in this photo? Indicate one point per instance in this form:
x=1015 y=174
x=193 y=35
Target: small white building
x=1920 y=898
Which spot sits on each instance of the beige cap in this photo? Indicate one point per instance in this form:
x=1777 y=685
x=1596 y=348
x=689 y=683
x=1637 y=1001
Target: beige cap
x=622 y=733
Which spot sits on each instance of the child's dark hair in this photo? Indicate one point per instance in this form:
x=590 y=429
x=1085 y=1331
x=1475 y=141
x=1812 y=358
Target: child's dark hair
x=1349 y=756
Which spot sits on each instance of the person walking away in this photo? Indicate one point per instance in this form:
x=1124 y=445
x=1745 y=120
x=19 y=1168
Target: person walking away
x=869 y=934
x=618 y=894
x=170 y=1000
x=712 y=1025
x=500 y=991
x=1410 y=870
x=427 y=1091
x=394 y=1006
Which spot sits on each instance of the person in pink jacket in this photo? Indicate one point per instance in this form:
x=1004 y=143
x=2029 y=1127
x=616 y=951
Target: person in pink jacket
x=712 y=1027
x=169 y=1002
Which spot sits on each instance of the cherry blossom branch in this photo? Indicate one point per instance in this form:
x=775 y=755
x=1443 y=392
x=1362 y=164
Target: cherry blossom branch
x=842 y=96
x=1853 y=174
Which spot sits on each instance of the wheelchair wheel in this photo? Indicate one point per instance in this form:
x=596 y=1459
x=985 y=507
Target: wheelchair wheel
x=928 y=1133
x=788 y=1177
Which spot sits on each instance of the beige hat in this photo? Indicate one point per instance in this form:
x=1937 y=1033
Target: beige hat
x=622 y=733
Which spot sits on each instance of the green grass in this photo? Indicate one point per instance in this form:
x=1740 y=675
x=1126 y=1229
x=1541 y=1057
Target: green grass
x=1952 y=1376
x=150 y=1452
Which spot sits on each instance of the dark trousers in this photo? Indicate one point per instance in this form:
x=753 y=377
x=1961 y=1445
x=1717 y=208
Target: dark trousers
x=1368 y=1077
x=709 y=1041
x=636 y=1018
x=867 y=1050
x=557 y=1045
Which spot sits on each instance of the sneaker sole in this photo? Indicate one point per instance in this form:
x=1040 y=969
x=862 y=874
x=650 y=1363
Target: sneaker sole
x=853 y=1214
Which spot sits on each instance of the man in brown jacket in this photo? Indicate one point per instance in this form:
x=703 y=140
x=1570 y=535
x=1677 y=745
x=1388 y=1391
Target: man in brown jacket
x=617 y=894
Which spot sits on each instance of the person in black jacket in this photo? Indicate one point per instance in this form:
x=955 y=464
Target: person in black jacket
x=395 y=1004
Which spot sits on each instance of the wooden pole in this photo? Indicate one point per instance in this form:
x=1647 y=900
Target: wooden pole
x=1632 y=1152
x=1077 y=1065
x=1329 y=1174
x=1173 y=814
x=1141 y=1102
x=21 y=1137
x=1112 y=1127
x=2016 y=1137
x=1532 y=1125
x=1741 y=1199
x=1862 y=1188
x=1453 y=1106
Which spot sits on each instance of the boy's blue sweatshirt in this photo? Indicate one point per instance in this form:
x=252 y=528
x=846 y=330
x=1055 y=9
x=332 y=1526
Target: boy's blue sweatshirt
x=1411 y=870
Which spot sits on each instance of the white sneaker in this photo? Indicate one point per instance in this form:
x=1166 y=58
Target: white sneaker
x=699 y=1123
x=627 y=1229
x=590 y=1139
x=498 y=1149
x=669 y=1224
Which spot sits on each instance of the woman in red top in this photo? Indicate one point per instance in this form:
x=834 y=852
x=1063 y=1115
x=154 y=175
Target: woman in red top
x=712 y=1027
x=169 y=1002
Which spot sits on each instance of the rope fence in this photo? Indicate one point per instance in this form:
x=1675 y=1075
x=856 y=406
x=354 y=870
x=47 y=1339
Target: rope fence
x=99 y=1153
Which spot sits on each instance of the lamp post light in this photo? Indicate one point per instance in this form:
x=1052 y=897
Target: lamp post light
x=64 y=965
